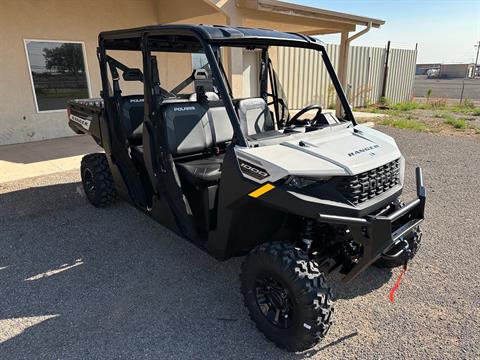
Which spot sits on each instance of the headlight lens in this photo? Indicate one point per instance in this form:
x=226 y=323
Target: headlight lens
x=303 y=182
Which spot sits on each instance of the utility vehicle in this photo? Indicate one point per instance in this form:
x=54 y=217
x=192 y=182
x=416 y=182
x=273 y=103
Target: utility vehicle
x=300 y=195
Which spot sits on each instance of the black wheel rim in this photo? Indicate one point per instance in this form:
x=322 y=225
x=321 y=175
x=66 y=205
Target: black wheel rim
x=274 y=301
x=88 y=181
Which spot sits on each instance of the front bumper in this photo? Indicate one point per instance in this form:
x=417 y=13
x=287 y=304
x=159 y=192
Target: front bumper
x=377 y=234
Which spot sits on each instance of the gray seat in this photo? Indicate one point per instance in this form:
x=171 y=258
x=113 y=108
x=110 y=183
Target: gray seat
x=192 y=129
x=254 y=116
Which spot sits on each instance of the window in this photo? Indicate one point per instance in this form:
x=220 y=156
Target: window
x=58 y=72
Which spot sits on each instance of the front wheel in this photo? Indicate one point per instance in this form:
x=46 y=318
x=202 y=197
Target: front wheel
x=286 y=295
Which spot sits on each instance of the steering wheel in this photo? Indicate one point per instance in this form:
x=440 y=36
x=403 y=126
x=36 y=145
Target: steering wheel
x=303 y=111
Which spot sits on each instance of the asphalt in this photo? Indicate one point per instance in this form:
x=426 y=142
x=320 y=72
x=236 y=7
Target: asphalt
x=78 y=282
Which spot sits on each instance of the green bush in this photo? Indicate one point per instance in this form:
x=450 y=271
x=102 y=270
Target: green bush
x=456 y=123
x=407 y=106
x=384 y=101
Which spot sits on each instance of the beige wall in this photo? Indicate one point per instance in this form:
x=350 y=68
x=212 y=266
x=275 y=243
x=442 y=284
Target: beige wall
x=74 y=20
x=52 y=20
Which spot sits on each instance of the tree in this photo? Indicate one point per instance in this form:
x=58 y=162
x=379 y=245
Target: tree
x=65 y=58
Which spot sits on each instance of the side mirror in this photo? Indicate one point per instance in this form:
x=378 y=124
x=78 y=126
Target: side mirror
x=133 y=75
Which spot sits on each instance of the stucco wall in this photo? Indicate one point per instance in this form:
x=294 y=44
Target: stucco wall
x=53 y=20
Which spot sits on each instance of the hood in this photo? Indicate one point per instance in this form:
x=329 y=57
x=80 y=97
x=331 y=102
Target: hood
x=335 y=152
x=355 y=150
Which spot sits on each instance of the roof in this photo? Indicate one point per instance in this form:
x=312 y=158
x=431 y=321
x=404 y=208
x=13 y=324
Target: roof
x=309 y=11
x=214 y=34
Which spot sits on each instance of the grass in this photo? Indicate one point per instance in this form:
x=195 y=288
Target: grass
x=456 y=123
x=404 y=116
x=401 y=123
x=408 y=105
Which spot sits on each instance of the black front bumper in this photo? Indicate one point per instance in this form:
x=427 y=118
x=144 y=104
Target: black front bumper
x=377 y=234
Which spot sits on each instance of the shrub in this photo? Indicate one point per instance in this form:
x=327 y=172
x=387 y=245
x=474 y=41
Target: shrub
x=383 y=101
x=429 y=94
x=437 y=103
x=467 y=103
x=408 y=105
x=456 y=123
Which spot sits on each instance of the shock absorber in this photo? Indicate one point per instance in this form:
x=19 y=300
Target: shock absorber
x=308 y=233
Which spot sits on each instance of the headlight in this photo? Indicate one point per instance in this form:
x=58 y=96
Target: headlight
x=302 y=182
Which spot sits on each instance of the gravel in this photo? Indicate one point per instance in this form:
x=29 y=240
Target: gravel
x=78 y=282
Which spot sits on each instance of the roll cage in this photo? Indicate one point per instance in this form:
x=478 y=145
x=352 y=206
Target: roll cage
x=149 y=190
x=209 y=39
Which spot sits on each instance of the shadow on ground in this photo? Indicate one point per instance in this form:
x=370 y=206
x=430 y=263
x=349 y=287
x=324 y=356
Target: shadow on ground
x=46 y=150
x=81 y=282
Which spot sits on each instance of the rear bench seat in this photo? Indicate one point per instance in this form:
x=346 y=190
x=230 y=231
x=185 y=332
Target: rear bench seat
x=194 y=130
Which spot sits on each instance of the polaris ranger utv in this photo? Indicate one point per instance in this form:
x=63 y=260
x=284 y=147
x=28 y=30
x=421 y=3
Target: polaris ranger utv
x=300 y=195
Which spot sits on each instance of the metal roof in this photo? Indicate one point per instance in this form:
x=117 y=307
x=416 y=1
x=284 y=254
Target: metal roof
x=286 y=8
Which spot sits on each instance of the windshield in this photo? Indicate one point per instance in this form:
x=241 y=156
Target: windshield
x=294 y=82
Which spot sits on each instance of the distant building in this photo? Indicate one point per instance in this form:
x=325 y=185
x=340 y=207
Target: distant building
x=448 y=71
x=422 y=69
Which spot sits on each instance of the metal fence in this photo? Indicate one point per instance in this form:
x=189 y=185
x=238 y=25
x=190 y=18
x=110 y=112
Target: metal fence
x=365 y=75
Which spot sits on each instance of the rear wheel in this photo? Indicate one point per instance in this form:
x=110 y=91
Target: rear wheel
x=97 y=180
x=286 y=295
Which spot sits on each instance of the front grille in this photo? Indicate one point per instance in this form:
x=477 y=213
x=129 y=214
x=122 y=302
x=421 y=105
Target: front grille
x=362 y=187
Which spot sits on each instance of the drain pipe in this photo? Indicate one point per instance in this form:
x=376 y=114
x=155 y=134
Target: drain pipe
x=360 y=33
x=344 y=61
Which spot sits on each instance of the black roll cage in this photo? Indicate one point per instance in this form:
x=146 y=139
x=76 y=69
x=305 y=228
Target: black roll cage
x=159 y=162
x=139 y=39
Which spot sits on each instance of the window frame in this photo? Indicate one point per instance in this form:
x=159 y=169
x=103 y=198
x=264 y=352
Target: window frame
x=85 y=62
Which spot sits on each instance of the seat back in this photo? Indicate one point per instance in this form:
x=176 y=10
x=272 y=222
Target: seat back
x=187 y=127
x=254 y=116
x=220 y=121
x=131 y=116
x=193 y=128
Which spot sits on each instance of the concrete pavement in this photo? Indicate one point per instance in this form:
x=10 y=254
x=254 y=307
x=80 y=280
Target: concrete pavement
x=21 y=161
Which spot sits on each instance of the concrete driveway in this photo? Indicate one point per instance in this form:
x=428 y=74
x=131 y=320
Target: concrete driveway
x=82 y=283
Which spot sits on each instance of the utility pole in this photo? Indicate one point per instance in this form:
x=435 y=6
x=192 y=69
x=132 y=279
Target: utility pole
x=476 y=60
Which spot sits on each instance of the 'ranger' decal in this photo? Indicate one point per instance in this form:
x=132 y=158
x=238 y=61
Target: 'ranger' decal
x=85 y=123
x=361 y=151
x=253 y=170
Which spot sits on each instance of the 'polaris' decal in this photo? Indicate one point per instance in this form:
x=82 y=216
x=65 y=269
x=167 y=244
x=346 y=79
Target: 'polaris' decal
x=184 y=108
x=361 y=151
x=85 y=123
x=253 y=170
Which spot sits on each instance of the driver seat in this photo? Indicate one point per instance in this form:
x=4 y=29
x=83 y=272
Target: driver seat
x=254 y=116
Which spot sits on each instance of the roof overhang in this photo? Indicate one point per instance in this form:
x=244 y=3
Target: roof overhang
x=289 y=9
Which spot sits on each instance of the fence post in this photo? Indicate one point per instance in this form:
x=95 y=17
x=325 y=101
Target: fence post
x=385 y=72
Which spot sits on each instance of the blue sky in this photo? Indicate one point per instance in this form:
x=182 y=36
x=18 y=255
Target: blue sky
x=445 y=30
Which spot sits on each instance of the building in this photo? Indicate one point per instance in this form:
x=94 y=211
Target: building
x=36 y=34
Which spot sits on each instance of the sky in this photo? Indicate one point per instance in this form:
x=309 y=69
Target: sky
x=445 y=30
